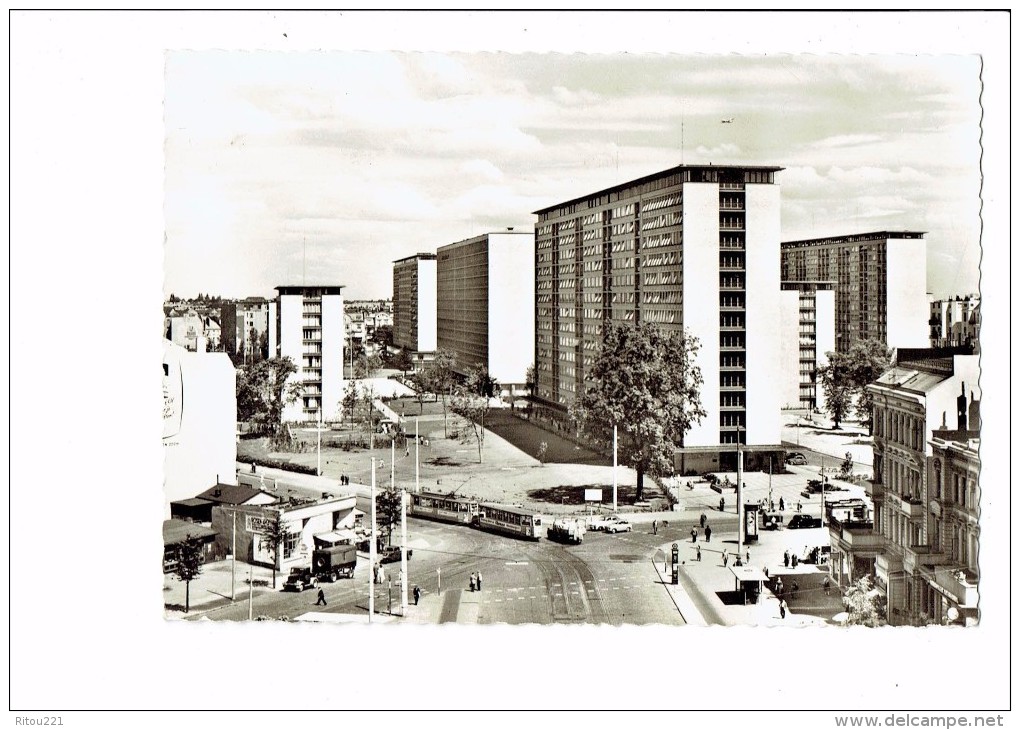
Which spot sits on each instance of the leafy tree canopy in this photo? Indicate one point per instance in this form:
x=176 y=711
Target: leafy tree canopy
x=644 y=380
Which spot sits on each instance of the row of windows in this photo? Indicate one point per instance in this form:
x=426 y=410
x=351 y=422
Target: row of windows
x=660 y=316
x=623 y=297
x=666 y=258
x=666 y=219
x=623 y=280
x=621 y=229
x=590 y=219
x=595 y=265
x=660 y=278
x=623 y=210
x=619 y=246
x=661 y=297
x=663 y=202
x=656 y=241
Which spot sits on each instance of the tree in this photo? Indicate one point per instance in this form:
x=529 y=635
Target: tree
x=868 y=359
x=190 y=556
x=643 y=380
x=387 y=510
x=350 y=399
x=864 y=604
x=529 y=379
x=275 y=535
x=263 y=391
x=368 y=396
x=442 y=379
x=365 y=365
x=837 y=387
x=422 y=388
x=403 y=361
x=846 y=376
x=472 y=402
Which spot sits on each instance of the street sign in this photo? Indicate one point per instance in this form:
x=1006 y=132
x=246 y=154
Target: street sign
x=676 y=564
x=592 y=495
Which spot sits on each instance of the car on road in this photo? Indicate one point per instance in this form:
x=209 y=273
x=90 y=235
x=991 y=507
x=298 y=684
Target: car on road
x=803 y=521
x=796 y=459
x=618 y=524
x=300 y=579
x=391 y=554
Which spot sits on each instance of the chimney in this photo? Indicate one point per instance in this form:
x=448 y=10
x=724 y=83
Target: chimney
x=961 y=408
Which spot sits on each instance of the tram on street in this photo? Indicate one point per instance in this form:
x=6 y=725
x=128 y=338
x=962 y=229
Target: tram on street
x=443 y=507
x=514 y=521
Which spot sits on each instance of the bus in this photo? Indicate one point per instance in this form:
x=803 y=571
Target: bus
x=443 y=507
x=508 y=520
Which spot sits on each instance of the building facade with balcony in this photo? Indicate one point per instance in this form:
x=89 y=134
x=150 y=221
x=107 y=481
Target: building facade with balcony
x=881 y=284
x=414 y=305
x=485 y=303
x=955 y=322
x=924 y=392
x=807 y=332
x=310 y=327
x=693 y=248
x=950 y=593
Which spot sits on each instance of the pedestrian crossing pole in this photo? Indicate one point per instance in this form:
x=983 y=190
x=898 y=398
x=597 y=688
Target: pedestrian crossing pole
x=417 y=440
x=740 y=495
x=614 y=467
x=403 y=552
x=371 y=552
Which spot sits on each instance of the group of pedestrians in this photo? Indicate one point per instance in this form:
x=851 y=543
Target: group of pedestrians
x=344 y=480
x=475 y=582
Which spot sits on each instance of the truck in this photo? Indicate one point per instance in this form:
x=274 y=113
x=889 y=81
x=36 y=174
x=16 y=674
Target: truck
x=566 y=531
x=300 y=579
x=334 y=562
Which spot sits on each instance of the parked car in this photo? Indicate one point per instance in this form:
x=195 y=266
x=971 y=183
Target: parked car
x=597 y=523
x=803 y=521
x=796 y=459
x=618 y=524
x=300 y=579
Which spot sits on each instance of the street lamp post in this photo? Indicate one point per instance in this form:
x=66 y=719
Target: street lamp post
x=614 y=467
x=371 y=552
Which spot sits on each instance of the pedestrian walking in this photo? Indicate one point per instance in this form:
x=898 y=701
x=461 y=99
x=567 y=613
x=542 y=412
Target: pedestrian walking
x=725 y=558
x=471 y=582
x=703 y=520
x=694 y=534
x=782 y=608
x=478 y=580
x=722 y=503
x=417 y=594
x=655 y=527
x=799 y=506
x=382 y=575
x=794 y=560
x=322 y=599
x=782 y=505
x=253 y=467
x=772 y=505
x=699 y=554
x=708 y=533
x=825 y=585
x=794 y=589
x=747 y=557
x=786 y=558
x=375 y=573
x=779 y=586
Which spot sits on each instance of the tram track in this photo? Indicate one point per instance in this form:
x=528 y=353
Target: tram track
x=561 y=569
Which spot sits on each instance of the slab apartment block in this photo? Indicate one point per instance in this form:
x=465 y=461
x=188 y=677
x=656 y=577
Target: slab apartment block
x=414 y=304
x=693 y=247
x=486 y=303
x=881 y=284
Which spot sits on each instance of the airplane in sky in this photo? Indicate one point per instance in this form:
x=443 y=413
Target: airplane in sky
x=728 y=121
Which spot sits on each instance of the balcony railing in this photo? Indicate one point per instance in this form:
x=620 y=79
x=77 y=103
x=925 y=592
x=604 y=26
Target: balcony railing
x=911 y=507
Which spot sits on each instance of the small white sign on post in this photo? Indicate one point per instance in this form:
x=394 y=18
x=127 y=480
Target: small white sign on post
x=592 y=495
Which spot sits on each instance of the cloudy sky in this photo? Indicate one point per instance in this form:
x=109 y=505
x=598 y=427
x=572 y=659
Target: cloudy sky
x=325 y=167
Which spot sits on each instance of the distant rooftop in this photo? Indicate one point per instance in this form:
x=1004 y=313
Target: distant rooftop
x=853 y=238
x=313 y=289
x=417 y=256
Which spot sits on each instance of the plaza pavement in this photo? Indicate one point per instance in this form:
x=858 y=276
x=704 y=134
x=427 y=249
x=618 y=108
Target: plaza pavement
x=697 y=597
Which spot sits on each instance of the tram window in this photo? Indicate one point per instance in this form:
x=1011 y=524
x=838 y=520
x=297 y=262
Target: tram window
x=538 y=521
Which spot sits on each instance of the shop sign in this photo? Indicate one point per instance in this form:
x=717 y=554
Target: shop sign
x=258 y=523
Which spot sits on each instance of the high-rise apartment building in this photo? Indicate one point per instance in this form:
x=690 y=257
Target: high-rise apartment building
x=310 y=331
x=486 y=303
x=881 y=284
x=807 y=332
x=694 y=247
x=414 y=304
